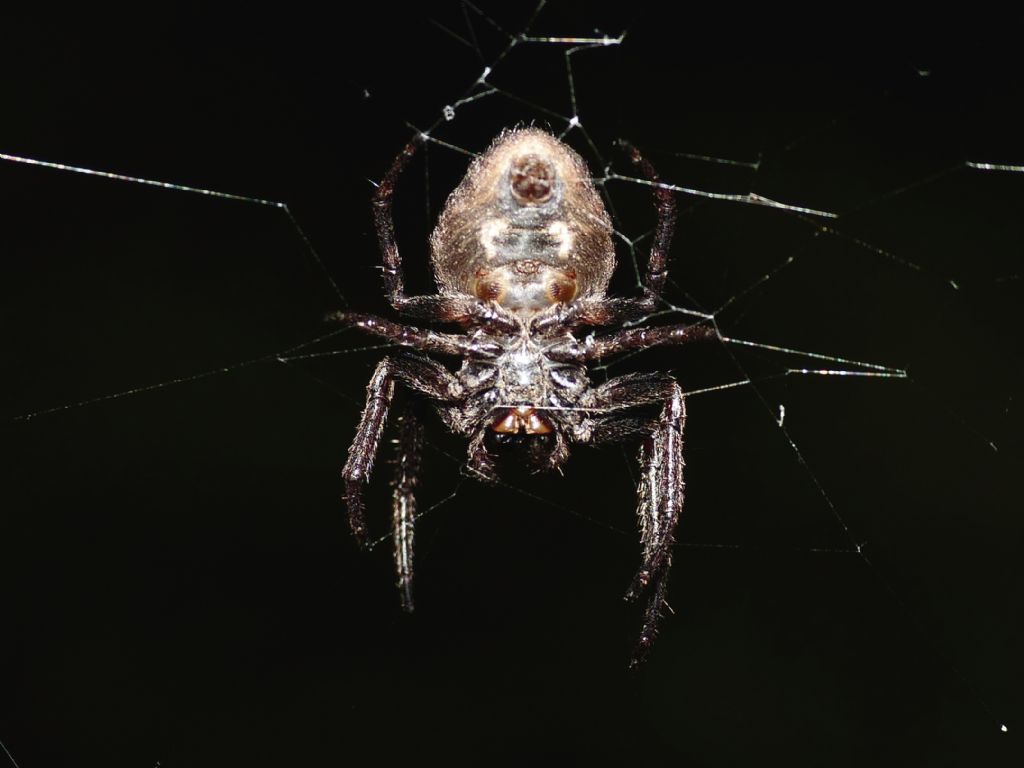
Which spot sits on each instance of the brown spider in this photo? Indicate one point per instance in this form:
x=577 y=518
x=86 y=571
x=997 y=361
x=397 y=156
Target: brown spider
x=522 y=254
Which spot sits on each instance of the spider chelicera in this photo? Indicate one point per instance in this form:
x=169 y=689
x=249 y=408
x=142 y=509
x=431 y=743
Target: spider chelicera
x=522 y=254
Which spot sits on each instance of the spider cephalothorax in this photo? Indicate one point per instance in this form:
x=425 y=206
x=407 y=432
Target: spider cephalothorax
x=523 y=254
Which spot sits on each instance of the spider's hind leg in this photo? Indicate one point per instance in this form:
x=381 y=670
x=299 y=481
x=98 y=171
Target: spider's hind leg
x=408 y=449
x=660 y=501
x=421 y=375
x=660 y=492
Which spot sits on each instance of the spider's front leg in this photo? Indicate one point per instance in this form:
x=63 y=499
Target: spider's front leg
x=608 y=311
x=420 y=374
x=439 y=308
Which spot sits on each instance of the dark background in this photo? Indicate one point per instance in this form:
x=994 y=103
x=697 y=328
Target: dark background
x=178 y=583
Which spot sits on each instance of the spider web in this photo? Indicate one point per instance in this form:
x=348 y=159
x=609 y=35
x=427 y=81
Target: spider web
x=178 y=409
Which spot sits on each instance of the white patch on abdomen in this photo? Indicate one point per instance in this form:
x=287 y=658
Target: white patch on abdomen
x=559 y=232
x=490 y=230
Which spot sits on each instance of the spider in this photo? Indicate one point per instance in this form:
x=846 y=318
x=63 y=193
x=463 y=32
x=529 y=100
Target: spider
x=522 y=255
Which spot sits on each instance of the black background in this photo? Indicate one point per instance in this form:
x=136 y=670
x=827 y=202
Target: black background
x=179 y=587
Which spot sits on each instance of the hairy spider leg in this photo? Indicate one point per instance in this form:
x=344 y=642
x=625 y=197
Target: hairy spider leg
x=660 y=492
x=610 y=310
x=439 y=308
x=423 y=339
x=665 y=203
x=660 y=496
x=419 y=374
x=394 y=284
x=408 y=450
x=634 y=339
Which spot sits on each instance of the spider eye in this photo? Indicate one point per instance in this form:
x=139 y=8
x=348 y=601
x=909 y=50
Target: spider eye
x=532 y=179
x=562 y=289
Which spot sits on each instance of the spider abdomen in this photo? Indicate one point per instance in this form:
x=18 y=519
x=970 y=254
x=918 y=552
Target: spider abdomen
x=526 y=228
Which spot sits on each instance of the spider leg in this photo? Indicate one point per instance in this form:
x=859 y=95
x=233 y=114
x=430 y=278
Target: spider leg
x=394 y=284
x=660 y=492
x=449 y=308
x=409 y=445
x=665 y=204
x=425 y=340
x=608 y=311
x=633 y=339
x=660 y=497
x=419 y=374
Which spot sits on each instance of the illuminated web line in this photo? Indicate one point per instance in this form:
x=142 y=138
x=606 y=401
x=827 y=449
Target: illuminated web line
x=273 y=356
x=524 y=37
x=420 y=515
x=895 y=192
x=752 y=164
x=882 y=370
x=9 y=755
x=995 y=167
x=468 y=95
x=754 y=286
x=857 y=547
x=799 y=251
x=582 y=44
x=283 y=207
x=336 y=352
x=774 y=548
x=875 y=370
x=896 y=259
x=631 y=244
x=434 y=140
x=750 y=198
x=931 y=178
